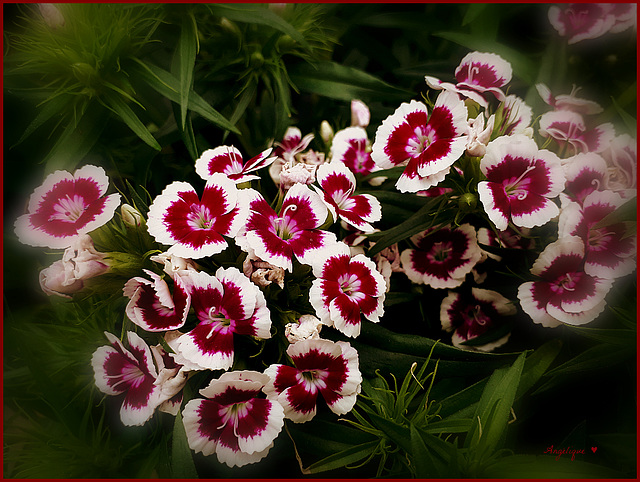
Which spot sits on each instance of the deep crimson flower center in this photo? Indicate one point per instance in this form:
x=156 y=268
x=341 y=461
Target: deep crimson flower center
x=349 y=284
x=200 y=217
x=69 y=209
x=285 y=227
x=234 y=412
x=519 y=187
x=475 y=316
x=130 y=375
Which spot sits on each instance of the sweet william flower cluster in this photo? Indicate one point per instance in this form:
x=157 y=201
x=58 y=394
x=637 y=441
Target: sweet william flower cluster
x=517 y=184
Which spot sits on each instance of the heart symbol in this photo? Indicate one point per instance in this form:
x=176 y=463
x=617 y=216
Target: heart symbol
x=593 y=449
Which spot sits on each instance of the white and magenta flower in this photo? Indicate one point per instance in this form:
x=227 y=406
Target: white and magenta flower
x=234 y=421
x=294 y=172
x=351 y=147
x=567 y=127
x=151 y=304
x=442 y=257
x=67 y=206
x=563 y=292
x=479 y=135
x=426 y=145
x=473 y=315
x=130 y=372
x=228 y=160
x=581 y=21
x=346 y=287
x=321 y=368
x=79 y=263
x=287 y=149
x=226 y=305
x=568 y=101
x=516 y=117
x=338 y=184
x=521 y=180
x=584 y=174
x=622 y=165
x=609 y=252
x=478 y=74
x=194 y=227
x=293 y=233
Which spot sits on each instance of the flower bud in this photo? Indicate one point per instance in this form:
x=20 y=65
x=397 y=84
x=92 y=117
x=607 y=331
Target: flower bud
x=51 y=15
x=360 y=115
x=326 y=131
x=467 y=202
x=131 y=216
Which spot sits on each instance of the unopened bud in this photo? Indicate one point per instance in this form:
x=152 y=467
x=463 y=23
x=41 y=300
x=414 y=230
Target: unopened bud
x=51 y=15
x=130 y=216
x=326 y=131
x=467 y=202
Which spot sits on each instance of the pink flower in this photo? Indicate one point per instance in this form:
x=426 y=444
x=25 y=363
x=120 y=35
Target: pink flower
x=516 y=117
x=473 y=315
x=79 y=262
x=194 y=228
x=442 y=257
x=308 y=327
x=609 y=252
x=478 y=74
x=351 y=147
x=567 y=127
x=521 y=180
x=580 y=21
x=66 y=206
x=426 y=145
x=293 y=233
x=346 y=287
x=226 y=304
x=321 y=367
x=338 y=184
x=151 y=305
x=360 y=115
x=131 y=372
x=234 y=421
x=622 y=165
x=568 y=102
x=228 y=160
x=584 y=173
x=286 y=151
x=297 y=173
x=564 y=293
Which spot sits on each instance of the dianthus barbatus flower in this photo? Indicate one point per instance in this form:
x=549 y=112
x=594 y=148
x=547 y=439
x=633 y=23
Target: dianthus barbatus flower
x=426 y=145
x=153 y=307
x=521 y=180
x=130 y=372
x=473 y=315
x=322 y=367
x=564 y=293
x=194 y=227
x=568 y=101
x=584 y=174
x=478 y=74
x=346 y=287
x=351 y=147
x=338 y=185
x=228 y=160
x=234 y=421
x=226 y=304
x=622 y=165
x=580 y=21
x=278 y=238
x=609 y=252
x=442 y=257
x=66 y=206
x=567 y=127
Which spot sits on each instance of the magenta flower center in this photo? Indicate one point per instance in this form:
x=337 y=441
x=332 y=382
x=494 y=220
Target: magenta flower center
x=130 y=375
x=313 y=380
x=519 y=187
x=69 y=209
x=475 y=316
x=568 y=282
x=349 y=284
x=232 y=413
x=284 y=226
x=440 y=251
x=423 y=137
x=200 y=217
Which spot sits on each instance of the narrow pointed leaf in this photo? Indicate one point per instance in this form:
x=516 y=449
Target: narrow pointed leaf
x=187 y=47
x=182 y=466
x=349 y=456
x=49 y=109
x=131 y=119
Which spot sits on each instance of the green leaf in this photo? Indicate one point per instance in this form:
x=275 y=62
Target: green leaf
x=120 y=107
x=337 y=81
x=610 y=336
x=537 y=364
x=258 y=14
x=167 y=85
x=473 y=10
x=494 y=409
x=405 y=200
x=76 y=141
x=187 y=47
x=49 y=109
x=345 y=457
x=545 y=466
x=426 y=465
x=456 y=425
x=182 y=466
x=522 y=66
x=426 y=217
x=398 y=434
